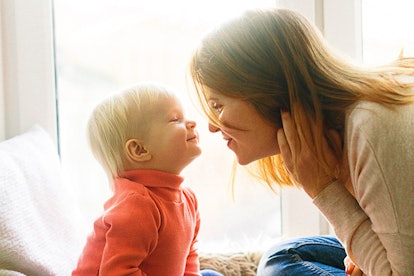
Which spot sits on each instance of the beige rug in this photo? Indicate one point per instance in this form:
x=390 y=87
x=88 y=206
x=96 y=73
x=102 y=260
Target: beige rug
x=232 y=264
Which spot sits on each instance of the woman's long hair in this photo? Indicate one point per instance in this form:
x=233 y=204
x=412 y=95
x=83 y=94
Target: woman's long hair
x=276 y=59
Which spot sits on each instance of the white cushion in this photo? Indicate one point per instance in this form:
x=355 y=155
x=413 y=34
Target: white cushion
x=41 y=228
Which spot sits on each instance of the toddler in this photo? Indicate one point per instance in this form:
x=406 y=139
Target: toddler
x=150 y=224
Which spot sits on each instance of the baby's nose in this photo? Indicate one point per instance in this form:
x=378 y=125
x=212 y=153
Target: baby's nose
x=191 y=124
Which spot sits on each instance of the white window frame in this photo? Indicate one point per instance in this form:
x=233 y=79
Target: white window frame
x=27 y=93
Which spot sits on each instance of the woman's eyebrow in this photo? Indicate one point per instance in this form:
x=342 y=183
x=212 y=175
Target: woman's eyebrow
x=212 y=99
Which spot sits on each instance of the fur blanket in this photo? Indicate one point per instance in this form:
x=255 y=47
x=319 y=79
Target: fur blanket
x=232 y=264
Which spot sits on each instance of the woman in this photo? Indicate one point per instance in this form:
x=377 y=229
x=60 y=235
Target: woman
x=279 y=96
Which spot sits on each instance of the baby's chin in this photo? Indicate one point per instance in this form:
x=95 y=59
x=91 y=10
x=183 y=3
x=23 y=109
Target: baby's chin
x=197 y=154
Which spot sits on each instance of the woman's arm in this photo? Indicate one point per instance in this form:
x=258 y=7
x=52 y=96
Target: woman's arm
x=377 y=225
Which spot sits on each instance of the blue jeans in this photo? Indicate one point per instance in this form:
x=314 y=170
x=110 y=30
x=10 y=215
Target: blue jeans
x=208 y=272
x=318 y=255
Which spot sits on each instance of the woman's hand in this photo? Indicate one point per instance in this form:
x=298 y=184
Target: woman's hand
x=309 y=173
x=351 y=269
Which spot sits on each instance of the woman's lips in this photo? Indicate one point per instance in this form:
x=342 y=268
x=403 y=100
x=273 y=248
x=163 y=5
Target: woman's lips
x=228 y=141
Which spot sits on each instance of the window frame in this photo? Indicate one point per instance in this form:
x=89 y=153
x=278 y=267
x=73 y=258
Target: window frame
x=27 y=93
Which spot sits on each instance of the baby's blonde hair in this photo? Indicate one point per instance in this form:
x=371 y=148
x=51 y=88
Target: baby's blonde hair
x=119 y=118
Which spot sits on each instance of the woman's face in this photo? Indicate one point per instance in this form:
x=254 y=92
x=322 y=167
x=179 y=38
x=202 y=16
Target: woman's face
x=250 y=136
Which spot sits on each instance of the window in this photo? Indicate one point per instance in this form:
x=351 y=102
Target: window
x=108 y=45
x=387 y=29
x=26 y=96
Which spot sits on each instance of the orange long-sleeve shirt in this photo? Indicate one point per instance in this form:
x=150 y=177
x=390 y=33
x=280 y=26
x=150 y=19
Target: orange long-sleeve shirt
x=149 y=227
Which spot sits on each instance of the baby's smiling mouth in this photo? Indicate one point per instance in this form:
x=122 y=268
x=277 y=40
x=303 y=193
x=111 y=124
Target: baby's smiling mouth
x=192 y=138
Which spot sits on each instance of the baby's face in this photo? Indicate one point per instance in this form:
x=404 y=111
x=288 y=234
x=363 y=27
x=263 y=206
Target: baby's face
x=171 y=139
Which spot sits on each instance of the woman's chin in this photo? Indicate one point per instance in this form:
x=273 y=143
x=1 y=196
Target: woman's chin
x=246 y=161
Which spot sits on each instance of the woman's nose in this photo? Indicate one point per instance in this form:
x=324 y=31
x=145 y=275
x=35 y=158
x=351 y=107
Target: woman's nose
x=213 y=128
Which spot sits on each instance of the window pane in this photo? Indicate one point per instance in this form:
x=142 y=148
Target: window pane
x=104 y=46
x=387 y=29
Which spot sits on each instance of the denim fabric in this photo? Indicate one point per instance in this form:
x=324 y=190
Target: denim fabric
x=318 y=255
x=208 y=272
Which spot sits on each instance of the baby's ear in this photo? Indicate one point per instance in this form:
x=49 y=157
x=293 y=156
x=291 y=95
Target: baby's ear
x=136 y=151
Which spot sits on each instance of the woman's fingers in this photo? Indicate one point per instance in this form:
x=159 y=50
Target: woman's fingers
x=290 y=132
x=285 y=149
x=356 y=272
x=288 y=141
x=351 y=269
x=299 y=153
x=349 y=265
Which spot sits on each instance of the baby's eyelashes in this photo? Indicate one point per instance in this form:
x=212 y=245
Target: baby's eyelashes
x=176 y=120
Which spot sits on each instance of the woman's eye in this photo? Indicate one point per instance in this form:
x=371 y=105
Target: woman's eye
x=217 y=107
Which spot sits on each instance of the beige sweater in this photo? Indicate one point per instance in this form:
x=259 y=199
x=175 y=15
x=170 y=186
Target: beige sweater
x=377 y=228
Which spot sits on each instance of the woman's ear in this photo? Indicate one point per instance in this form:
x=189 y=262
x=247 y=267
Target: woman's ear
x=136 y=151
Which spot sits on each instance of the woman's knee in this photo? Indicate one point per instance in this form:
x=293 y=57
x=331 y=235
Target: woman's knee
x=292 y=255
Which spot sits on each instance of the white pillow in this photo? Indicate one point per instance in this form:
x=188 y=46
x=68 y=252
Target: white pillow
x=42 y=231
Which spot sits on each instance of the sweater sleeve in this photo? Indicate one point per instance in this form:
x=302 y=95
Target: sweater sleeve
x=132 y=234
x=377 y=226
x=192 y=263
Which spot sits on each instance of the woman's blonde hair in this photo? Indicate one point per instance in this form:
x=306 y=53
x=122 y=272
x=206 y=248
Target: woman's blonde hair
x=276 y=59
x=119 y=118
